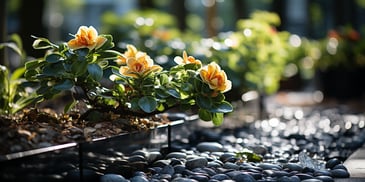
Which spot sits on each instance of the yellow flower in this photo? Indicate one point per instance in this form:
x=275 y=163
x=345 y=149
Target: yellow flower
x=215 y=78
x=87 y=37
x=139 y=66
x=187 y=59
x=130 y=52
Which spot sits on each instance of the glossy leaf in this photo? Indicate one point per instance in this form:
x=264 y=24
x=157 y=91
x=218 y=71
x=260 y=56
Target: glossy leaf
x=70 y=105
x=79 y=67
x=223 y=107
x=109 y=54
x=95 y=71
x=204 y=115
x=82 y=53
x=204 y=102
x=108 y=44
x=173 y=93
x=53 y=58
x=42 y=43
x=33 y=64
x=65 y=85
x=217 y=118
x=147 y=104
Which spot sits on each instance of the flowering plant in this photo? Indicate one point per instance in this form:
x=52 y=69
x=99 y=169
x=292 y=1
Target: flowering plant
x=255 y=55
x=342 y=48
x=139 y=87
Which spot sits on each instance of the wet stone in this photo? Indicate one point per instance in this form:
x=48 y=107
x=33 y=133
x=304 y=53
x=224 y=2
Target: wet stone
x=168 y=170
x=153 y=156
x=177 y=155
x=209 y=147
x=196 y=162
x=228 y=157
x=220 y=177
x=113 y=178
x=243 y=177
x=279 y=174
x=214 y=164
x=293 y=167
x=259 y=149
x=340 y=166
x=179 y=168
x=322 y=173
x=200 y=178
x=180 y=179
x=230 y=165
x=136 y=158
x=139 y=179
x=340 y=173
x=325 y=178
x=332 y=163
x=289 y=179
x=304 y=176
x=269 y=166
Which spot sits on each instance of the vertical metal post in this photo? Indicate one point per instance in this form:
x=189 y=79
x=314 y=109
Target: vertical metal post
x=81 y=162
x=169 y=137
x=3 y=32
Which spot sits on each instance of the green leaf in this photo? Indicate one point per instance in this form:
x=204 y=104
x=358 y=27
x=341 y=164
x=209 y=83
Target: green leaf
x=70 y=105
x=103 y=64
x=65 y=85
x=53 y=58
x=134 y=104
x=192 y=66
x=109 y=54
x=82 y=53
x=42 y=43
x=219 y=98
x=217 y=118
x=249 y=155
x=95 y=71
x=147 y=104
x=79 y=67
x=187 y=87
x=174 y=93
x=55 y=69
x=33 y=64
x=13 y=46
x=25 y=101
x=108 y=44
x=164 y=79
x=18 y=41
x=160 y=107
x=161 y=93
x=223 y=107
x=115 y=71
x=29 y=75
x=18 y=73
x=204 y=115
x=204 y=102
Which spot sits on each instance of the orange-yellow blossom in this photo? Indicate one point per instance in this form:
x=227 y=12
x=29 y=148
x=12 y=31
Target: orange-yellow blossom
x=215 y=78
x=87 y=37
x=131 y=52
x=187 y=59
x=139 y=66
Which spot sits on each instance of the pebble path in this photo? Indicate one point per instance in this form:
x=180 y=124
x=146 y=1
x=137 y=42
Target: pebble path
x=289 y=147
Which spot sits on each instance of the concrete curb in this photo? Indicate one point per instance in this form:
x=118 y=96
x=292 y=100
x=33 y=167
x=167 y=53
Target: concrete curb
x=356 y=166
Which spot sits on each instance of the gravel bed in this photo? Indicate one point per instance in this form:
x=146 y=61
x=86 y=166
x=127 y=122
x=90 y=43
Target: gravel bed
x=293 y=145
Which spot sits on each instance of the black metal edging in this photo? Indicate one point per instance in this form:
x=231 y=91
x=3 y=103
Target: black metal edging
x=82 y=147
x=81 y=162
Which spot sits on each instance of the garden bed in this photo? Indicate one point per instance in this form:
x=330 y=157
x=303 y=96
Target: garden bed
x=62 y=161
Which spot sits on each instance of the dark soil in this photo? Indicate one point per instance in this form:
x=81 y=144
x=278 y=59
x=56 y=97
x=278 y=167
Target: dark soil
x=36 y=128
